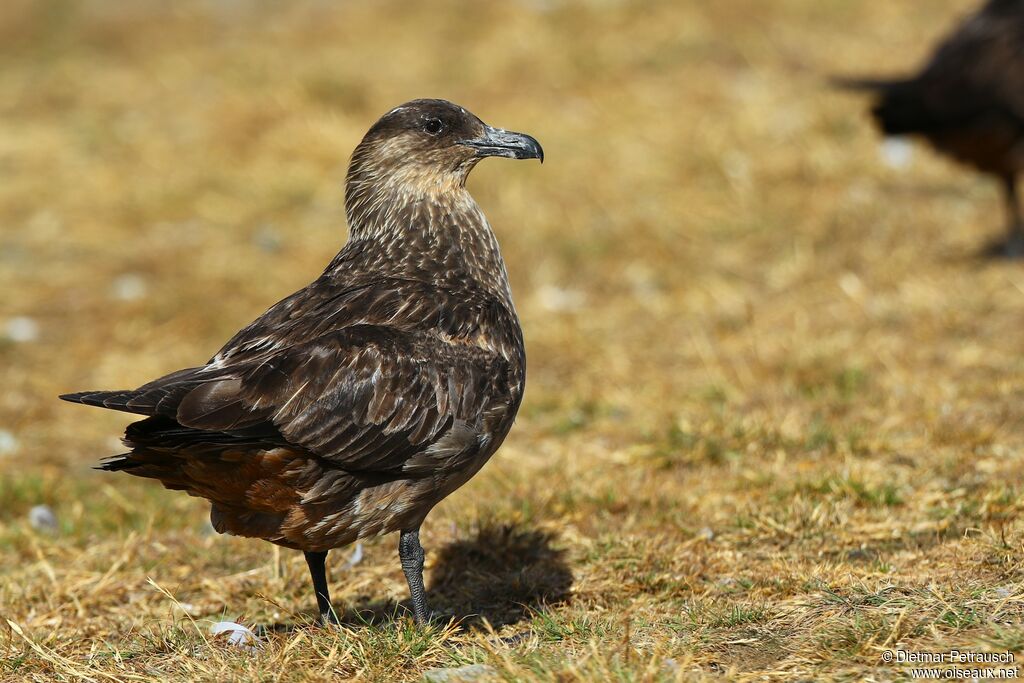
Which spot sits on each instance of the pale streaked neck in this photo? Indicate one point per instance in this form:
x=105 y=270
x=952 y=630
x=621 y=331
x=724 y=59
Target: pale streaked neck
x=426 y=228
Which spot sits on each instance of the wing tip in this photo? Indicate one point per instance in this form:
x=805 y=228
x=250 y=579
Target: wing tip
x=85 y=397
x=116 y=463
x=114 y=400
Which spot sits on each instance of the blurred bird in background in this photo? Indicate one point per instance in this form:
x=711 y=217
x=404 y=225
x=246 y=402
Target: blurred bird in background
x=968 y=102
x=352 y=407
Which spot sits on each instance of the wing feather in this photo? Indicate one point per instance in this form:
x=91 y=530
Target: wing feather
x=379 y=405
x=365 y=397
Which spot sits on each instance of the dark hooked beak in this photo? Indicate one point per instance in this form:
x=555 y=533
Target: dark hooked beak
x=496 y=142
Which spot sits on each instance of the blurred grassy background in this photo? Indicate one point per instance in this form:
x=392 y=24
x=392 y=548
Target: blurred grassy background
x=774 y=404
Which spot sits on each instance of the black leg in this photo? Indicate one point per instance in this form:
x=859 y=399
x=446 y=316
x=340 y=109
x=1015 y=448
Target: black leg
x=1015 y=228
x=411 y=553
x=318 y=570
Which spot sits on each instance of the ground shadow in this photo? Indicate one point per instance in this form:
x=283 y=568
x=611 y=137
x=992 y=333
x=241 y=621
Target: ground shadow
x=501 y=575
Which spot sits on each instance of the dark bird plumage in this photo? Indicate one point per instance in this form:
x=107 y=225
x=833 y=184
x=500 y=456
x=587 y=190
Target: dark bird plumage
x=352 y=407
x=968 y=101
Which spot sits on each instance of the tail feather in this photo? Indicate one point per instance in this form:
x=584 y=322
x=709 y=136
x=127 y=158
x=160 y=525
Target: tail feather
x=900 y=107
x=903 y=111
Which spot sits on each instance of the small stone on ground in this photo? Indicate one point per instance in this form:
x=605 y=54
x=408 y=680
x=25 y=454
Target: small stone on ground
x=41 y=517
x=461 y=674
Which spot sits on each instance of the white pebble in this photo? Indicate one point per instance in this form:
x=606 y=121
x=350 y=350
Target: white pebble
x=559 y=299
x=897 y=152
x=41 y=517
x=461 y=674
x=129 y=287
x=267 y=239
x=21 y=329
x=8 y=442
x=189 y=609
x=852 y=286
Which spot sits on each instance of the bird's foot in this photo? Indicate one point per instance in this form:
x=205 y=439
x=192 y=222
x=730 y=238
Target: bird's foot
x=431 y=617
x=1015 y=247
x=329 y=619
x=1011 y=247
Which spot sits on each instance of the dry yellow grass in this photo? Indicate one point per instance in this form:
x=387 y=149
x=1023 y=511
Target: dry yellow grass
x=774 y=408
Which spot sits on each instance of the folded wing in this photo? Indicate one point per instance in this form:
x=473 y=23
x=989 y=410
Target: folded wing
x=366 y=398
